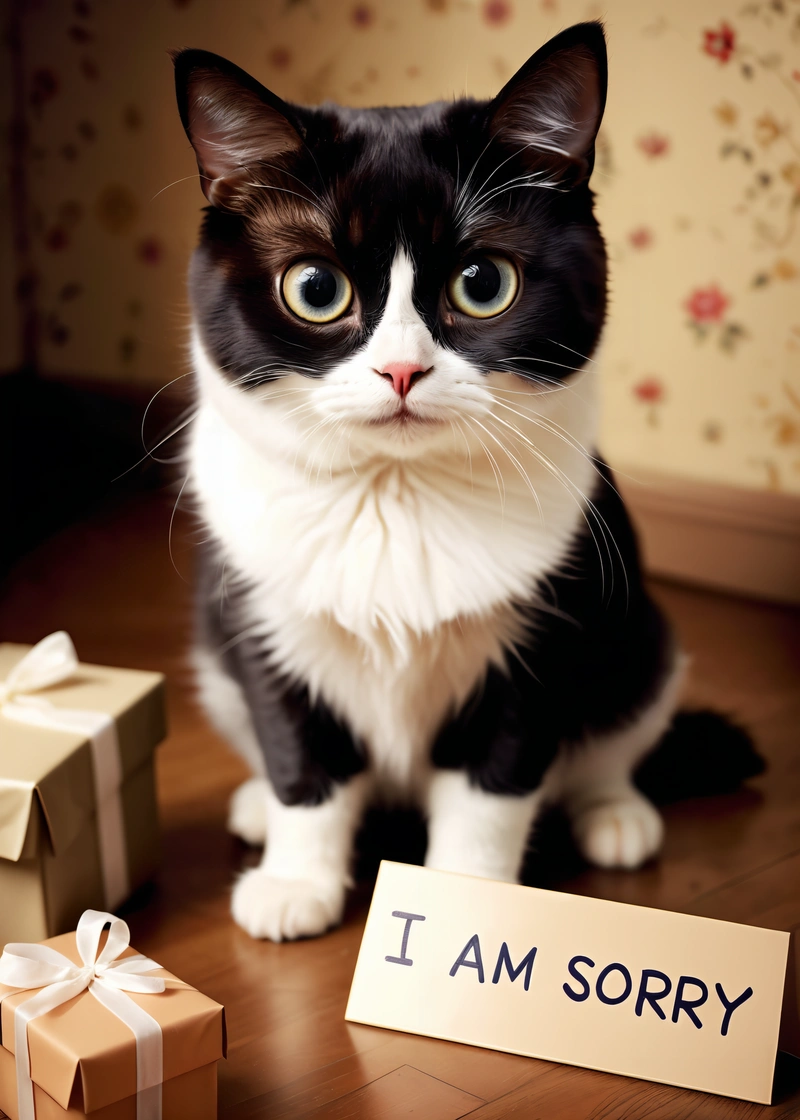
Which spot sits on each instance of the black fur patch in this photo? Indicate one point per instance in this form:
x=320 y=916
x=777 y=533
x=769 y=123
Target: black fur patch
x=306 y=749
x=598 y=651
x=702 y=754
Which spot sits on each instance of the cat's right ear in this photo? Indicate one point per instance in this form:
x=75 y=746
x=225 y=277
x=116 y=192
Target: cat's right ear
x=551 y=109
x=232 y=122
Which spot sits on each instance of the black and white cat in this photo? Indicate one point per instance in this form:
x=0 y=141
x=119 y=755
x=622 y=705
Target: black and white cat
x=419 y=578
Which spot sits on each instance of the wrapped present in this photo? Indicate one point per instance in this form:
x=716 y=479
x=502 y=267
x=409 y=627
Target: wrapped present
x=89 y=1026
x=78 y=821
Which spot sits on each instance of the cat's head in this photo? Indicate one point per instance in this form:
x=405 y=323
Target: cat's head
x=390 y=271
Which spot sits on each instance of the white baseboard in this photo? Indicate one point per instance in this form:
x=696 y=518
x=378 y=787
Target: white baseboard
x=745 y=541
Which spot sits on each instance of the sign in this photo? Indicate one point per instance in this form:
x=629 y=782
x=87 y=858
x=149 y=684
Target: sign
x=667 y=997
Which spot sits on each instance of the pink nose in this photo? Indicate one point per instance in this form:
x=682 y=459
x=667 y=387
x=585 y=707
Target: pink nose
x=402 y=376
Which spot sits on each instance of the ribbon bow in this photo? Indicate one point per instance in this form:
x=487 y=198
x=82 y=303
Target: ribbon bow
x=51 y=661
x=107 y=978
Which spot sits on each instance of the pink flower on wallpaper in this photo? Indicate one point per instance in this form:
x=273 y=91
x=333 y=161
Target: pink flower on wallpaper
x=497 y=11
x=58 y=333
x=362 y=15
x=150 y=250
x=720 y=43
x=707 y=305
x=44 y=86
x=56 y=239
x=80 y=34
x=280 y=57
x=641 y=237
x=650 y=390
x=653 y=144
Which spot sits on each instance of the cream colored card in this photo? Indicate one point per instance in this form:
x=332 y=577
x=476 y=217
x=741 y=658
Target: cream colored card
x=668 y=997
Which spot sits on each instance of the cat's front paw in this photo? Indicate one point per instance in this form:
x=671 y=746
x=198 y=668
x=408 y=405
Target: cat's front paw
x=285 y=909
x=247 y=814
x=622 y=833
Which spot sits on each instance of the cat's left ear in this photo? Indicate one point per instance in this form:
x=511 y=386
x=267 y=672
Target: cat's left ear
x=232 y=122
x=551 y=109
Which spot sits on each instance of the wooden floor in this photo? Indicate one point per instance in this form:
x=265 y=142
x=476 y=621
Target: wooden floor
x=111 y=583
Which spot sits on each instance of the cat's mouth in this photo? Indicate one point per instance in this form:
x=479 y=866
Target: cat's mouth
x=403 y=418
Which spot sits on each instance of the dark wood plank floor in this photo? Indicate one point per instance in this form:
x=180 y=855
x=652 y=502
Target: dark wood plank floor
x=111 y=583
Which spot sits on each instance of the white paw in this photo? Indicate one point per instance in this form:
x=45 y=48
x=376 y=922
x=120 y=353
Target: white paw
x=247 y=814
x=621 y=833
x=285 y=909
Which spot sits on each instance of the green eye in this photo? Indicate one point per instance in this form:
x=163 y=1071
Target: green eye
x=317 y=291
x=483 y=286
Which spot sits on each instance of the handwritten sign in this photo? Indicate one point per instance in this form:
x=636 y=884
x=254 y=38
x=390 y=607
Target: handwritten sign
x=668 y=997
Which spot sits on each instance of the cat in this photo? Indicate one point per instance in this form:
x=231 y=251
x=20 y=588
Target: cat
x=419 y=580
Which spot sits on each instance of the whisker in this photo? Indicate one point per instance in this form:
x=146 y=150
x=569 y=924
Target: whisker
x=519 y=467
x=285 y=190
x=183 y=179
x=550 y=425
x=501 y=490
x=576 y=352
x=544 y=361
x=171 y=524
x=589 y=505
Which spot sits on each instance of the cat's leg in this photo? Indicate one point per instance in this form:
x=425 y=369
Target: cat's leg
x=308 y=788
x=299 y=888
x=312 y=796
x=484 y=789
x=614 y=825
x=225 y=704
x=475 y=832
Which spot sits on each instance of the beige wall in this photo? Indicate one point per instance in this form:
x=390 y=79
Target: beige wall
x=698 y=183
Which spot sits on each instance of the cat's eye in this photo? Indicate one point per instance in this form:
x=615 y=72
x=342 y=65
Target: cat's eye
x=317 y=291
x=483 y=285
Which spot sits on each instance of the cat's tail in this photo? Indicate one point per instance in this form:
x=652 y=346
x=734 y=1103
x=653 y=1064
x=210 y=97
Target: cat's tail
x=702 y=753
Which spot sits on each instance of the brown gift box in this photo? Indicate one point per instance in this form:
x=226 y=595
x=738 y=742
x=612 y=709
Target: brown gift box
x=83 y=1058
x=50 y=870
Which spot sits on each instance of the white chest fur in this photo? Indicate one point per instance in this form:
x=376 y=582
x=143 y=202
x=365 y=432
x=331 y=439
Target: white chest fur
x=386 y=584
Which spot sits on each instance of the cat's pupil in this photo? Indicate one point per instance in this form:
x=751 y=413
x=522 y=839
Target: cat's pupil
x=482 y=280
x=318 y=286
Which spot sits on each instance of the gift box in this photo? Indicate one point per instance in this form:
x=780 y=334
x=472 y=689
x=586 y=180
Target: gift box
x=90 y=1027
x=78 y=821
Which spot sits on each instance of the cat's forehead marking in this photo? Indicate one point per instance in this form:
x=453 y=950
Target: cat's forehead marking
x=401 y=334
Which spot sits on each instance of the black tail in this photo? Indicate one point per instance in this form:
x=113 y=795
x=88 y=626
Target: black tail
x=703 y=753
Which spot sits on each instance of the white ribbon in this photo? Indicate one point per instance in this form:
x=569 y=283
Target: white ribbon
x=53 y=661
x=107 y=978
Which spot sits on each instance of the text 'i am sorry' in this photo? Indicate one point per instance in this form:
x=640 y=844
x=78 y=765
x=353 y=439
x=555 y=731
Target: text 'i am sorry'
x=649 y=991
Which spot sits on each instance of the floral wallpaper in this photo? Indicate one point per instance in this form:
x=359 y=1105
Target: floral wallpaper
x=697 y=178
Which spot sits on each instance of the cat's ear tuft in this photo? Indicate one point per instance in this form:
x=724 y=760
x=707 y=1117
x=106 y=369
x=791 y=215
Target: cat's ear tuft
x=551 y=109
x=232 y=122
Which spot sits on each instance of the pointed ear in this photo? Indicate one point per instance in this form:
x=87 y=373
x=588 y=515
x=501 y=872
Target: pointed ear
x=232 y=122
x=551 y=109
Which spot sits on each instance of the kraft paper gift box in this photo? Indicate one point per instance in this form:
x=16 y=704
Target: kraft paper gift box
x=123 y=1039
x=78 y=820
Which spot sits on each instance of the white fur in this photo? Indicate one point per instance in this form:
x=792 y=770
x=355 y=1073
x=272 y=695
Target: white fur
x=474 y=832
x=299 y=889
x=247 y=814
x=383 y=555
x=613 y=824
